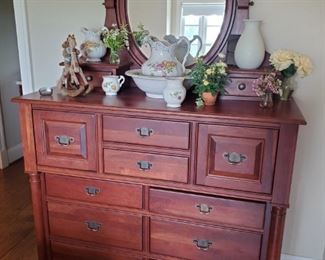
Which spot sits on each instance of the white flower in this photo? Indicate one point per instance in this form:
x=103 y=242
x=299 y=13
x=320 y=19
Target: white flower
x=282 y=59
x=304 y=65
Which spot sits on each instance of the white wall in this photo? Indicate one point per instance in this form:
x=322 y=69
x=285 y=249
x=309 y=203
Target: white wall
x=49 y=23
x=293 y=24
x=9 y=74
x=299 y=25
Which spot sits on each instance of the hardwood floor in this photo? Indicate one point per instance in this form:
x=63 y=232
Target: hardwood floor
x=17 y=240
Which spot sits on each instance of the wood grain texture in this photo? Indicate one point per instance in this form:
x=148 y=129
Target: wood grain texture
x=94 y=191
x=17 y=237
x=243 y=214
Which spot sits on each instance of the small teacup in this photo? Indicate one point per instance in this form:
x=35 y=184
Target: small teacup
x=112 y=84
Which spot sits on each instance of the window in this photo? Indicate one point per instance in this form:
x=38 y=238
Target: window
x=204 y=20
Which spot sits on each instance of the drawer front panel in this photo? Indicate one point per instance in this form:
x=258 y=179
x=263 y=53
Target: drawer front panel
x=145 y=165
x=195 y=242
x=66 y=140
x=146 y=132
x=63 y=251
x=88 y=190
x=226 y=211
x=236 y=157
x=95 y=225
x=241 y=87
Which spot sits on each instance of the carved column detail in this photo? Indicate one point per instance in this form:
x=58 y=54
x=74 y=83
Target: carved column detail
x=276 y=233
x=35 y=185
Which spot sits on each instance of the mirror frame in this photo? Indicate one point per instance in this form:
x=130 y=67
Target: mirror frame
x=235 y=12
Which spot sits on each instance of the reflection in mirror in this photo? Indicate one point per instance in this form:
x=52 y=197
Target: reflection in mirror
x=198 y=20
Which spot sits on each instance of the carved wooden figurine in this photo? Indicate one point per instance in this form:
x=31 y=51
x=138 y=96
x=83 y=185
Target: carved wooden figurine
x=72 y=81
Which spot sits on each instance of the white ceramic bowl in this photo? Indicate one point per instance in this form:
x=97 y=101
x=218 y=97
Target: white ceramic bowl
x=152 y=86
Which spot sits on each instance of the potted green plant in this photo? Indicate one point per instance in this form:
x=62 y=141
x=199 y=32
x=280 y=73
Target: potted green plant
x=209 y=80
x=115 y=39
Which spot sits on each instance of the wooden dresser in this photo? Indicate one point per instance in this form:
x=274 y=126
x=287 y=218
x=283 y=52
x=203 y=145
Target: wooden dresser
x=126 y=178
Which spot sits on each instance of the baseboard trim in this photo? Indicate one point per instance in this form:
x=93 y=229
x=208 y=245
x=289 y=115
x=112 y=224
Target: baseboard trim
x=3 y=159
x=15 y=153
x=292 y=257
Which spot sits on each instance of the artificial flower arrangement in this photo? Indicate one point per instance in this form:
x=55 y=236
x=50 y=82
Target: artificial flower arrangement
x=288 y=64
x=115 y=39
x=265 y=86
x=209 y=80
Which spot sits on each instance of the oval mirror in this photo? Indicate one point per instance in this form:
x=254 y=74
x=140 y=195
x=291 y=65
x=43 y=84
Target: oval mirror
x=201 y=21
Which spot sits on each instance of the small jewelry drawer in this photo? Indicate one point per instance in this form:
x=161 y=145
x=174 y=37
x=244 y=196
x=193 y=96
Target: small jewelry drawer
x=193 y=242
x=146 y=165
x=65 y=140
x=243 y=214
x=240 y=158
x=100 y=226
x=94 y=191
x=146 y=132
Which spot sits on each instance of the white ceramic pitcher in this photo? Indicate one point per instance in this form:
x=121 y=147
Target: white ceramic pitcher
x=93 y=48
x=163 y=61
x=112 y=84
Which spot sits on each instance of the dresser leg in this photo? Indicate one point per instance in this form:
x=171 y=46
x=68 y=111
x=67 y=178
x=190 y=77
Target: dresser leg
x=276 y=233
x=35 y=185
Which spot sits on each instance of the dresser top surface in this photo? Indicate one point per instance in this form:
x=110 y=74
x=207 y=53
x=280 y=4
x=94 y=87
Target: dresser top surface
x=133 y=100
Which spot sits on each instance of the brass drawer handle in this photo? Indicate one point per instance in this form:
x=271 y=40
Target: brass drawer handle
x=144 y=131
x=202 y=244
x=92 y=191
x=204 y=208
x=93 y=225
x=234 y=158
x=144 y=165
x=64 y=140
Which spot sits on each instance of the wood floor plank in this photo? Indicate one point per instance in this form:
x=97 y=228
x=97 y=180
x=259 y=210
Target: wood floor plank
x=17 y=239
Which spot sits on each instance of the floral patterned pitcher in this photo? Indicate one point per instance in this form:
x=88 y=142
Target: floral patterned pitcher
x=163 y=61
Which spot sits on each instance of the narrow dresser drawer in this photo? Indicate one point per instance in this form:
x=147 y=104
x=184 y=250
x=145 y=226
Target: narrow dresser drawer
x=188 y=241
x=146 y=165
x=241 y=87
x=66 y=140
x=88 y=190
x=146 y=132
x=63 y=251
x=240 y=158
x=95 y=225
x=219 y=210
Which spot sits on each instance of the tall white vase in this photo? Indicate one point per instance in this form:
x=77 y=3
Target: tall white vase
x=250 y=49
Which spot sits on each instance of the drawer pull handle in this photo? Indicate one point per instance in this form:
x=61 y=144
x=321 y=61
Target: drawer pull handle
x=202 y=244
x=64 y=140
x=241 y=86
x=92 y=191
x=93 y=225
x=144 y=132
x=89 y=78
x=204 y=208
x=144 y=165
x=234 y=158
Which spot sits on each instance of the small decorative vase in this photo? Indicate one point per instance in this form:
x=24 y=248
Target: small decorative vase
x=174 y=92
x=209 y=99
x=267 y=100
x=286 y=89
x=114 y=57
x=250 y=49
x=92 y=48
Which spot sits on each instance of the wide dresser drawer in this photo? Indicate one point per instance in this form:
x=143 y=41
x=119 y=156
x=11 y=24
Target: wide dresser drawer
x=189 y=241
x=104 y=227
x=94 y=191
x=146 y=132
x=146 y=165
x=65 y=140
x=232 y=212
x=64 y=251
